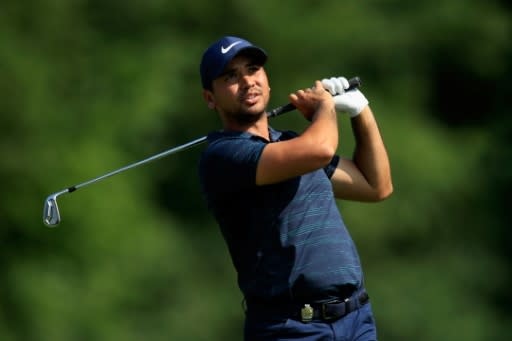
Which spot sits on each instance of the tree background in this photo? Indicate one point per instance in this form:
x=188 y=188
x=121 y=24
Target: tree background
x=89 y=86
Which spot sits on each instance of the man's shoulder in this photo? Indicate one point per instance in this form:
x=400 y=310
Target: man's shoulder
x=221 y=135
x=226 y=141
x=231 y=147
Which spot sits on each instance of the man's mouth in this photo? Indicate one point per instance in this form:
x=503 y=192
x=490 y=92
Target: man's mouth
x=250 y=98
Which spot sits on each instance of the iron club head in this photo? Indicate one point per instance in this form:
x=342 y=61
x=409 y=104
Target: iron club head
x=51 y=215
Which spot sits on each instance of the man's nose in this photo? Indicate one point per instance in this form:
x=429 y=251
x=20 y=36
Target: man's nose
x=247 y=79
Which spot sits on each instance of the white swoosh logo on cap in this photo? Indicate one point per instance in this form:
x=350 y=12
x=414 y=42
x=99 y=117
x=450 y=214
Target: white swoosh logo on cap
x=226 y=50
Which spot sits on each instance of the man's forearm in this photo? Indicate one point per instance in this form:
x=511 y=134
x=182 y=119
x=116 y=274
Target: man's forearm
x=370 y=154
x=323 y=130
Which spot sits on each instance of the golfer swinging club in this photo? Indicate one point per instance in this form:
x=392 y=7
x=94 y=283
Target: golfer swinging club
x=273 y=195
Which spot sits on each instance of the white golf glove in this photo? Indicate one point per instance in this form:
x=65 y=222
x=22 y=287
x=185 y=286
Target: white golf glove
x=351 y=102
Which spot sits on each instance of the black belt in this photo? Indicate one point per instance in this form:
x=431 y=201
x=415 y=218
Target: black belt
x=327 y=311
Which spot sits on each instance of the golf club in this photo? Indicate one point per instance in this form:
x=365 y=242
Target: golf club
x=51 y=214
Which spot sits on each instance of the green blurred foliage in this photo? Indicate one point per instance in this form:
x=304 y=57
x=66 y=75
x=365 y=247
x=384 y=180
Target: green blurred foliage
x=90 y=86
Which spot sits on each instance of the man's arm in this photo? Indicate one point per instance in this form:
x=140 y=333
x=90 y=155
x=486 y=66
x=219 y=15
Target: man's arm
x=368 y=176
x=310 y=151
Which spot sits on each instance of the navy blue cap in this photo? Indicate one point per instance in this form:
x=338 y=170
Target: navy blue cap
x=220 y=53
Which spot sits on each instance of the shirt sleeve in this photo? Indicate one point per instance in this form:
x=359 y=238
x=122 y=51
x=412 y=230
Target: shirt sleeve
x=230 y=164
x=331 y=167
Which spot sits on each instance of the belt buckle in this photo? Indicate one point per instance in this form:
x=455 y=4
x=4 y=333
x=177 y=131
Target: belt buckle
x=306 y=313
x=327 y=317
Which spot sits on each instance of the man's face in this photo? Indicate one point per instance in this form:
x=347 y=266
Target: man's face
x=241 y=93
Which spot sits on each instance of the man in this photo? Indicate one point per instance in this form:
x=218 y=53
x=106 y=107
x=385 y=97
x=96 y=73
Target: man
x=273 y=196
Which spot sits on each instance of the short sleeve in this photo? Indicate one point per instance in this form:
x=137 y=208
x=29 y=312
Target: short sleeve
x=230 y=164
x=331 y=167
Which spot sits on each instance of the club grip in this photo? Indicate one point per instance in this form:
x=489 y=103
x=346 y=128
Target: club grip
x=353 y=83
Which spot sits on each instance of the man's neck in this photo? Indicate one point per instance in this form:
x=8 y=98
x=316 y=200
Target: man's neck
x=258 y=128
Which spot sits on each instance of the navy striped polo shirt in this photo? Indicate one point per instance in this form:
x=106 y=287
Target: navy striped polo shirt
x=287 y=240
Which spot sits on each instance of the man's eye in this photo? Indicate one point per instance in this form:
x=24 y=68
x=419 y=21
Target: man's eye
x=230 y=76
x=254 y=68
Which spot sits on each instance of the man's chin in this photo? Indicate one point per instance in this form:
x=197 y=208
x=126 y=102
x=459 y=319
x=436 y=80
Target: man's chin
x=250 y=116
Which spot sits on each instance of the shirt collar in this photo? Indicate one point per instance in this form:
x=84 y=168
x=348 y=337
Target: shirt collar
x=275 y=135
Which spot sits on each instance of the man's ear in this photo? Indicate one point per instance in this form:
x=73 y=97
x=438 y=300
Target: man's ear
x=209 y=98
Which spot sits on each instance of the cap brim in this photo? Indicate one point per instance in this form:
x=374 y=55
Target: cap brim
x=255 y=53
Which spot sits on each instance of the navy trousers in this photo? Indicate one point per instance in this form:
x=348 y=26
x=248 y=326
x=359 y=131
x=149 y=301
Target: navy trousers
x=359 y=325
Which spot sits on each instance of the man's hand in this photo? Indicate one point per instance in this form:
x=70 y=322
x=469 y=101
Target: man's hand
x=351 y=102
x=309 y=101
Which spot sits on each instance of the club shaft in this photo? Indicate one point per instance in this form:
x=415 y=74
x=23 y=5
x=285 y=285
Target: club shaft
x=353 y=83
x=141 y=162
x=51 y=215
